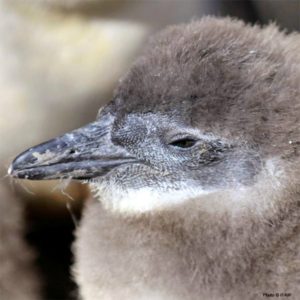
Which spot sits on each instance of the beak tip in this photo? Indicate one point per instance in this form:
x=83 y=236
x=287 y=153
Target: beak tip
x=20 y=163
x=10 y=170
x=17 y=166
x=14 y=172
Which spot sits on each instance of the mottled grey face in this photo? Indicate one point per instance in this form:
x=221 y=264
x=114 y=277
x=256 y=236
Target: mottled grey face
x=171 y=155
x=134 y=151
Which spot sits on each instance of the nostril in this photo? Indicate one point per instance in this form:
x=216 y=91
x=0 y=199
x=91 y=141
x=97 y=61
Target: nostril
x=72 y=151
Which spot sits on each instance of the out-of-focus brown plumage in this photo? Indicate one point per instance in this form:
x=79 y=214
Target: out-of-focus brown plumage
x=18 y=277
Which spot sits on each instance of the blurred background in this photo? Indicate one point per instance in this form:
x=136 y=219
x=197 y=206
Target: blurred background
x=59 y=62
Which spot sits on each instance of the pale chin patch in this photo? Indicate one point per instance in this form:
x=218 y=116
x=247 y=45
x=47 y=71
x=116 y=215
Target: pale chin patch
x=144 y=199
x=258 y=197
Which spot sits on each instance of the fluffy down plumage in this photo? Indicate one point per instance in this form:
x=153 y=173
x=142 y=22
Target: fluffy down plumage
x=247 y=80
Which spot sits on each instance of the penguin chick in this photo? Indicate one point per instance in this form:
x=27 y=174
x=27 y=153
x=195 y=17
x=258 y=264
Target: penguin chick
x=195 y=169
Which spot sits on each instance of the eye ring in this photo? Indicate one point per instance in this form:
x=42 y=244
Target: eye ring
x=184 y=143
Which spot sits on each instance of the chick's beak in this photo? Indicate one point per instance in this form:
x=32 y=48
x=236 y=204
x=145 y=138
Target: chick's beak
x=80 y=154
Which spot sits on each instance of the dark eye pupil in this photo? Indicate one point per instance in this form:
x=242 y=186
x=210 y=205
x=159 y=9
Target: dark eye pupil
x=184 y=143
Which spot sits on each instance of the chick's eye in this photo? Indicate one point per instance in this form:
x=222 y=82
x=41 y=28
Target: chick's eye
x=184 y=143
